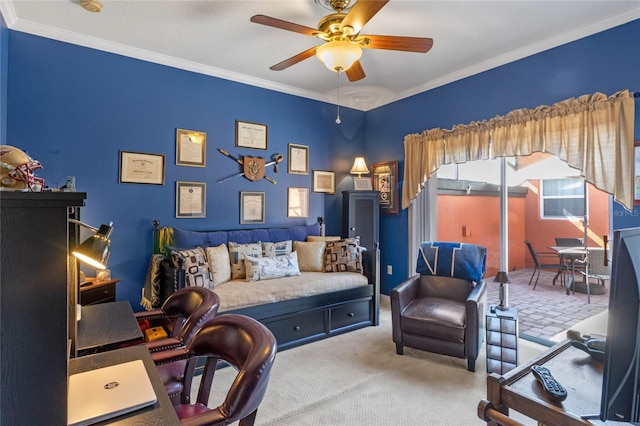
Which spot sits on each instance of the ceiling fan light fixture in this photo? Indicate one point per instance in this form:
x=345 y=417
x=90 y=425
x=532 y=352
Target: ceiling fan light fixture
x=339 y=55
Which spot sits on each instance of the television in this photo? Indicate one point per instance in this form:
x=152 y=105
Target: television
x=620 y=394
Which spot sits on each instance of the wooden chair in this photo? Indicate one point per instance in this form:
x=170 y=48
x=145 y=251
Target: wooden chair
x=546 y=260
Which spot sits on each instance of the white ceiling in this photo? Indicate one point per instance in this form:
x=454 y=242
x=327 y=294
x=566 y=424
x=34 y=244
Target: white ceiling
x=216 y=38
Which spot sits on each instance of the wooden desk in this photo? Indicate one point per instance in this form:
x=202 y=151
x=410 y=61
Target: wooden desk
x=106 y=326
x=161 y=413
x=520 y=391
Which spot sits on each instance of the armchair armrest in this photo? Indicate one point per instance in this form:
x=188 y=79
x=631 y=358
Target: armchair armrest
x=401 y=296
x=164 y=344
x=149 y=315
x=165 y=357
x=475 y=307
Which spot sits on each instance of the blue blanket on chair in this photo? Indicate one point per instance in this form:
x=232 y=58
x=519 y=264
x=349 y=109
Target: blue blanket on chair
x=458 y=260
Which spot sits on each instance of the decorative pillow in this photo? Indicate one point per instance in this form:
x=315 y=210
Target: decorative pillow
x=310 y=255
x=312 y=238
x=276 y=249
x=343 y=256
x=266 y=268
x=237 y=252
x=219 y=265
x=195 y=266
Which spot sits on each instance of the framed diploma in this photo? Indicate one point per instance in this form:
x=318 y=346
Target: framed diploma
x=191 y=199
x=191 y=148
x=298 y=159
x=324 y=181
x=251 y=135
x=251 y=207
x=137 y=167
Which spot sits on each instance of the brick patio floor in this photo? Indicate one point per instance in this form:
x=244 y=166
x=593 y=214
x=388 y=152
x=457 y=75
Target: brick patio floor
x=547 y=310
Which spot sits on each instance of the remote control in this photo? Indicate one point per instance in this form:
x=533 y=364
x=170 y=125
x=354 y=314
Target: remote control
x=554 y=390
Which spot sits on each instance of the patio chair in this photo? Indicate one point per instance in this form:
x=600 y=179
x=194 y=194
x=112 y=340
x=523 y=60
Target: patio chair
x=546 y=260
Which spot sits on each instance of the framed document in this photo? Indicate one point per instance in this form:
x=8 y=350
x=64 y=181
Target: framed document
x=324 y=181
x=191 y=148
x=298 y=159
x=137 y=167
x=190 y=199
x=251 y=135
x=251 y=207
x=298 y=202
x=385 y=180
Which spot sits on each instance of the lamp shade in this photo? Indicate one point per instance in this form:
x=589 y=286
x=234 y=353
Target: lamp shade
x=339 y=55
x=95 y=250
x=359 y=167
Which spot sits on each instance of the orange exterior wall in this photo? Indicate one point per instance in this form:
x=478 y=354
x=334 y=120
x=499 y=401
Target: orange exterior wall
x=542 y=232
x=476 y=220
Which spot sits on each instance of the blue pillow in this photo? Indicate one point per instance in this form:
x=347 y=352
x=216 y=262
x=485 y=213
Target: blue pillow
x=457 y=260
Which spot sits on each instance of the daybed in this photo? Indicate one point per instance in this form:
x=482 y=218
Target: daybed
x=296 y=308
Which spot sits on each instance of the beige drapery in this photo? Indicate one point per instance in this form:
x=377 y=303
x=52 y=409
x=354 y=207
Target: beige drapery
x=593 y=133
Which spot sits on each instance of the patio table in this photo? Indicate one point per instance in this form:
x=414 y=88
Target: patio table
x=572 y=254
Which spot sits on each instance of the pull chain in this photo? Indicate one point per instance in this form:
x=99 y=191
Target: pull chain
x=338 y=121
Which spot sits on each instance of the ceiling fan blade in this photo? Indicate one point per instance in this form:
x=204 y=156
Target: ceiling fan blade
x=294 y=59
x=356 y=72
x=284 y=25
x=361 y=13
x=406 y=44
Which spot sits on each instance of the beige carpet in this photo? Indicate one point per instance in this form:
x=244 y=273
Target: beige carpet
x=358 y=379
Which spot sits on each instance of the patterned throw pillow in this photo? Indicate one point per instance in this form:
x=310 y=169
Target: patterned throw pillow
x=195 y=266
x=276 y=249
x=266 y=268
x=219 y=266
x=237 y=252
x=310 y=255
x=343 y=256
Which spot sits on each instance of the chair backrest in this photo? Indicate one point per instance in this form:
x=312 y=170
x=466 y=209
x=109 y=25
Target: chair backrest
x=596 y=262
x=445 y=287
x=568 y=242
x=532 y=252
x=191 y=307
x=250 y=348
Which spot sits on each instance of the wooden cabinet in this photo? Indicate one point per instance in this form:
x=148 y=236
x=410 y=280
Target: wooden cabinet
x=361 y=217
x=34 y=306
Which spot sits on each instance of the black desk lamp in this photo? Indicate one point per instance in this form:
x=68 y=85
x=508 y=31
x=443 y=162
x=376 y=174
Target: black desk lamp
x=95 y=250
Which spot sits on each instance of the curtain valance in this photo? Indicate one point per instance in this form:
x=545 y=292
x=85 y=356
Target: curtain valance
x=592 y=133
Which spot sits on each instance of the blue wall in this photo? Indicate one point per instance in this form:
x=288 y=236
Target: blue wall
x=4 y=69
x=74 y=108
x=606 y=62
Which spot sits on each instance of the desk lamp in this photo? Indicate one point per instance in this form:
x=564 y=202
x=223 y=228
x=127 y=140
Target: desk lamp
x=95 y=250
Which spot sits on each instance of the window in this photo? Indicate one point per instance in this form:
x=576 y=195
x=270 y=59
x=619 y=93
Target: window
x=562 y=198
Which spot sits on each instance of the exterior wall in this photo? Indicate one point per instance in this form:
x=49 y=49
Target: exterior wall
x=476 y=220
x=542 y=232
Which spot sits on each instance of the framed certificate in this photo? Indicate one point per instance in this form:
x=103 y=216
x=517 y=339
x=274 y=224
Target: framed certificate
x=324 y=181
x=138 y=167
x=191 y=148
x=251 y=135
x=251 y=207
x=191 y=199
x=298 y=159
x=298 y=202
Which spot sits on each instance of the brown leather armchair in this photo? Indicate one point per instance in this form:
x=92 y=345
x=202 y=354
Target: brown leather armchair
x=183 y=313
x=248 y=347
x=439 y=314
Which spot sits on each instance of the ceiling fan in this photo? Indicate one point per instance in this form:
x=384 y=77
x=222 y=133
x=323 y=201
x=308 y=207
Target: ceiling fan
x=344 y=43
